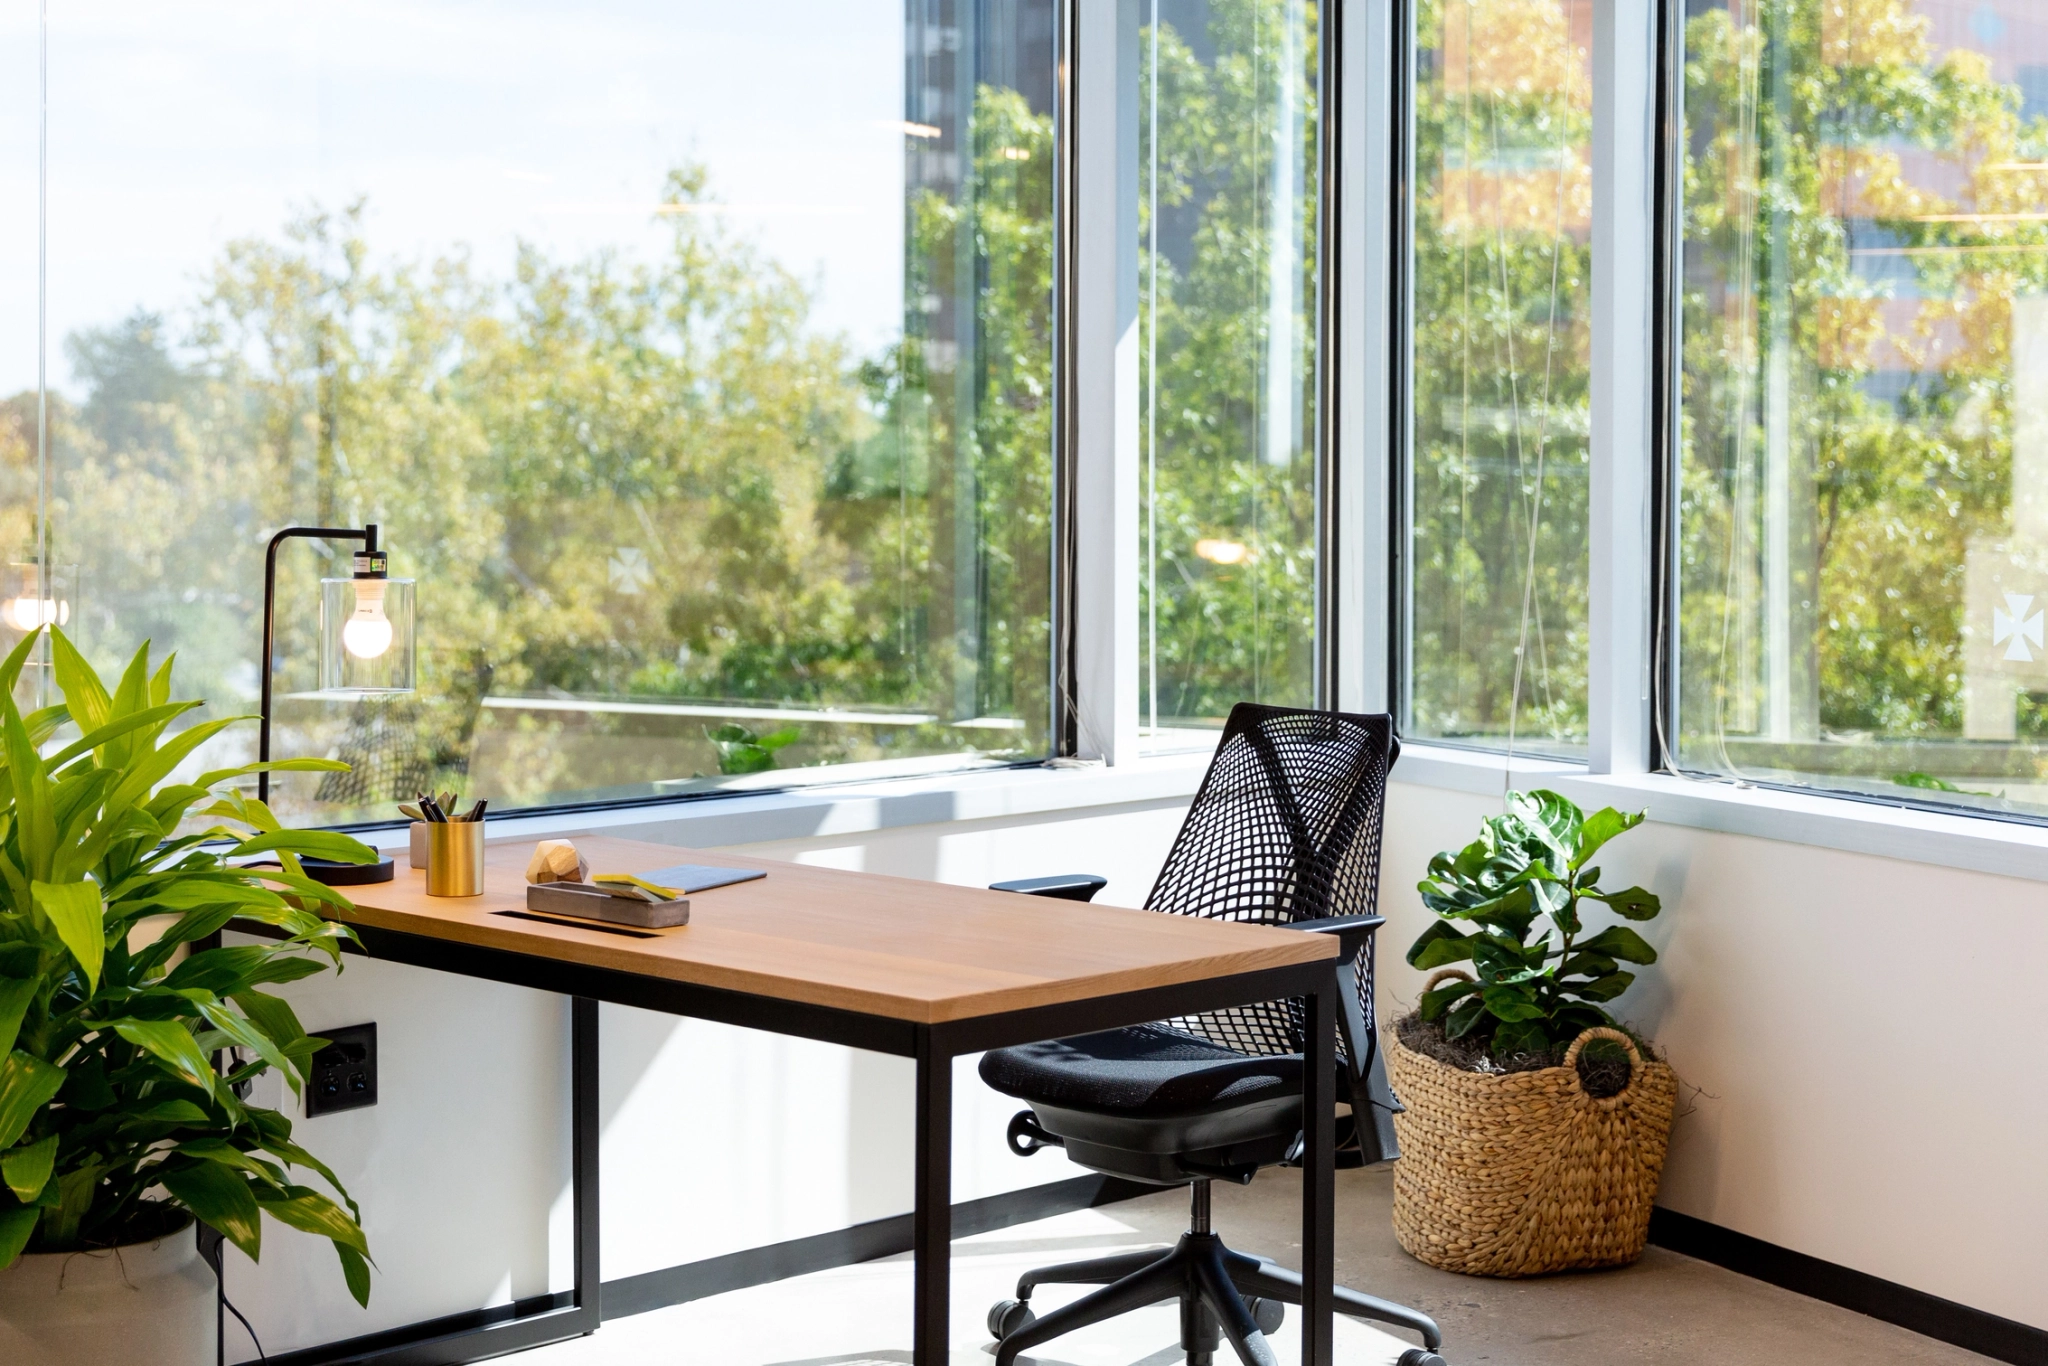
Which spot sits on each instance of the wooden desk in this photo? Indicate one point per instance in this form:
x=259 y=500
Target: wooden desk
x=917 y=969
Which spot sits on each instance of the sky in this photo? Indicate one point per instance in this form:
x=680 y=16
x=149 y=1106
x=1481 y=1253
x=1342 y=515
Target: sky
x=177 y=126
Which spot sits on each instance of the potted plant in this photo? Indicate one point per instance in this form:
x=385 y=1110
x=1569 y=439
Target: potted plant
x=117 y=1129
x=1535 y=1125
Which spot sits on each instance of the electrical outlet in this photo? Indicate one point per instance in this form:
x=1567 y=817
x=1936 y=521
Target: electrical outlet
x=345 y=1071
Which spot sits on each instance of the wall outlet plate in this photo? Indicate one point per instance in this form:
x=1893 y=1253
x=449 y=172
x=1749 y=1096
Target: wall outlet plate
x=345 y=1071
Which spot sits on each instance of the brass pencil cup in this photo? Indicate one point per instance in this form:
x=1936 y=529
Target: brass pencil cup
x=455 y=858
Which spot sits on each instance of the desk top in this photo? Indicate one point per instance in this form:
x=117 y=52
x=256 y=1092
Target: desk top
x=895 y=947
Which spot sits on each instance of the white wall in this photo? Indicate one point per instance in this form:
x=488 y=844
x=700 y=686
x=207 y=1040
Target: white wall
x=1862 y=1033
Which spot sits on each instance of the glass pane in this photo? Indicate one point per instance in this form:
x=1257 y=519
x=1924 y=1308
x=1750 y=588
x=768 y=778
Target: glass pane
x=1496 y=648
x=1865 y=407
x=694 y=359
x=1227 y=260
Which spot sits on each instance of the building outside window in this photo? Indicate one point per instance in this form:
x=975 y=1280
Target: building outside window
x=1227 y=182
x=1863 y=489
x=1498 y=419
x=695 y=359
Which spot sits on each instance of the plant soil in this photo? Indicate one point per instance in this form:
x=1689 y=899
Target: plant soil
x=1603 y=1065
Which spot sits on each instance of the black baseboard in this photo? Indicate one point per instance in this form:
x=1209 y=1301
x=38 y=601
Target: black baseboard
x=844 y=1247
x=1928 y=1315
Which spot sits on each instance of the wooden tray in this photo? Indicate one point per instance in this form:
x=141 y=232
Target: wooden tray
x=587 y=903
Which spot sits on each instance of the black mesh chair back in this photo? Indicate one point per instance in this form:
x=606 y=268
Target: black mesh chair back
x=1286 y=827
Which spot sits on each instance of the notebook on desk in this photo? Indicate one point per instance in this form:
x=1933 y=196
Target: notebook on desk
x=699 y=877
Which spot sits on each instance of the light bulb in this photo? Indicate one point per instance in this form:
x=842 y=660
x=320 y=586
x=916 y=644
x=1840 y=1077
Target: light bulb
x=367 y=633
x=30 y=614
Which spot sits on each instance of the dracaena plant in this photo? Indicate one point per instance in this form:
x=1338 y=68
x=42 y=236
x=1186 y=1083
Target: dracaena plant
x=1509 y=904
x=113 y=1115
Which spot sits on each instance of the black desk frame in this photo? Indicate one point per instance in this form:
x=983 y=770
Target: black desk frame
x=573 y=1313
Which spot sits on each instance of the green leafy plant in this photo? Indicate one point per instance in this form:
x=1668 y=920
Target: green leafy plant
x=1520 y=885
x=742 y=751
x=113 y=1116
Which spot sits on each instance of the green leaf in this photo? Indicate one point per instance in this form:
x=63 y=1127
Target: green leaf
x=1619 y=941
x=27 y=1084
x=171 y=1112
x=1511 y=1003
x=1520 y=1036
x=10 y=670
x=171 y=1042
x=15 y=1227
x=1604 y=988
x=1434 y=1003
x=327 y=844
x=83 y=692
x=1632 y=903
x=356 y=1271
x=214 y=777
x=221 y=1199
x=15 y=995
x=1585 y=965
x=1437 y=945
x=1464 y=1018
x=78 y=917
x=1600 y=827
x=311 y=1212
x=27 y=1170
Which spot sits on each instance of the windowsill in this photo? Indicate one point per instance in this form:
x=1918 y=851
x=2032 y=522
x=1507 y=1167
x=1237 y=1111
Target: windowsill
x=1976 y=843
x=863 y=807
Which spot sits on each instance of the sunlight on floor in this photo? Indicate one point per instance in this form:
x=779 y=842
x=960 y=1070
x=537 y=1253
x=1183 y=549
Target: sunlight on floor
x=860 y=1315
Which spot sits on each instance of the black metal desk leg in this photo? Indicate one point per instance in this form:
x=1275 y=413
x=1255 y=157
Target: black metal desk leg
x=931 y=1233
x=583 y=1158
x=1318 y=1177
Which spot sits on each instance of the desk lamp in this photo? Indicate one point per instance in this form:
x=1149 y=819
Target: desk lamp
x=366 y=650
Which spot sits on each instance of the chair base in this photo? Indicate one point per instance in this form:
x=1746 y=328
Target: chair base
x=1224 y=1296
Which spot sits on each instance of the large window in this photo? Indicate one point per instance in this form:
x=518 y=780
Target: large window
x=1227 y=261
x=1498 y=416
x=1863 y=512
x=695 y=359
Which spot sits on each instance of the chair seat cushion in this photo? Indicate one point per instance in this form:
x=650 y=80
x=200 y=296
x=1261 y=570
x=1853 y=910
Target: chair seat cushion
x=1146 y=1072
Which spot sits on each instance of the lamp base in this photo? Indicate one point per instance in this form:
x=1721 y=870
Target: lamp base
x=335 y=874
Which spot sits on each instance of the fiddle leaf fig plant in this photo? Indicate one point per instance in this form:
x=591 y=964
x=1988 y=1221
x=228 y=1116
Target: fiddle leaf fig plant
x=114 y=1119
x=1541 y=980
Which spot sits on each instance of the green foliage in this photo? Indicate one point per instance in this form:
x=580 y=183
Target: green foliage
x=1520 y=885
x=109 y=1016
x=1815 y=131
x=813 y=528
x=1228 y=632
x=742 y=751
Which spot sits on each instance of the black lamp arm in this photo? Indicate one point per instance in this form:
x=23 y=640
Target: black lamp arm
x=368 y=536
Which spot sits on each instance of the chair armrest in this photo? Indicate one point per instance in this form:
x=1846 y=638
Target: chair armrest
x=1354 y=932
x=1066 y=887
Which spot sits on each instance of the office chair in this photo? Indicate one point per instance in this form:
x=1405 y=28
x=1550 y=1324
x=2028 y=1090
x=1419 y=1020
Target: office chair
x=1285 y=831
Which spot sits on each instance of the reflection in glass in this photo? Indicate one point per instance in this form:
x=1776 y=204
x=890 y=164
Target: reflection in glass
x=696 y=359
x=1227 y=186
x=1499 y=350
x=1864 y=515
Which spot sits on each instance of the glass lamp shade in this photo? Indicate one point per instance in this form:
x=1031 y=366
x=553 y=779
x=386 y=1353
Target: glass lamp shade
x=366 y=641
x=31 y=600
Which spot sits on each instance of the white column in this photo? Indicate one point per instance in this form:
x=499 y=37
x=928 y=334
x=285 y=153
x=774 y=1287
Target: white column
x=1106 y=380
x=1617 y=590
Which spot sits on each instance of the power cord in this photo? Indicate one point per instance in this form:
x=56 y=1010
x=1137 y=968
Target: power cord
x=217 y=1260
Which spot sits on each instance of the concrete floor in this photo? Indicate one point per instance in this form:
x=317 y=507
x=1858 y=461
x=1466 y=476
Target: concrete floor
x=1665 y=1309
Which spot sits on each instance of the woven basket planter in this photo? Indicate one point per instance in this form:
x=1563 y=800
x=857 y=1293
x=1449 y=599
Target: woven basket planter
x=1523 y=1173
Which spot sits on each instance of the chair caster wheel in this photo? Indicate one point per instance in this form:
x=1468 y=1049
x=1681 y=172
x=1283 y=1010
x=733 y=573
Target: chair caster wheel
x=1420 y=1356
x=1268 y=1314
x=1007 y=1316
